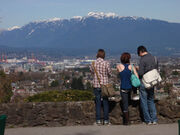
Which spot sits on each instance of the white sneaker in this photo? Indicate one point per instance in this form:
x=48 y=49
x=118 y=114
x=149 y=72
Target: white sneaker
x=116 y=98
x=147 y=123
x=107 y=123
x=136 y=97
x=111 y=98
x=154 y=123
x=97 y=123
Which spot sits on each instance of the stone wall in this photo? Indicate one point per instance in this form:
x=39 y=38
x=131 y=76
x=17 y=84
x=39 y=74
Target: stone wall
x=79 y=113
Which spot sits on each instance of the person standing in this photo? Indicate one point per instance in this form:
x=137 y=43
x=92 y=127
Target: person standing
x=124 y=70
x=103 y=69
x=147 y=63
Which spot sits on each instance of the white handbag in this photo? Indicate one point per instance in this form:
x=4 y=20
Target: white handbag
x=151 y=78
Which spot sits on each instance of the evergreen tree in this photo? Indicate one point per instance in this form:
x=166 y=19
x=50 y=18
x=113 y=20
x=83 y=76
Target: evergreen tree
x=77 y=84
x=80 y=83
x=5 y=88
x=54 y=83
x=88 y=86
x=74 y=83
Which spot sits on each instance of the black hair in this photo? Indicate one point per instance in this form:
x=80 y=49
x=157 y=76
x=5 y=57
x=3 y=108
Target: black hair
x=141 y=49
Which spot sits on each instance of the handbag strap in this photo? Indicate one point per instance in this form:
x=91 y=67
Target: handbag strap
x=99 y=80
x=132 y=71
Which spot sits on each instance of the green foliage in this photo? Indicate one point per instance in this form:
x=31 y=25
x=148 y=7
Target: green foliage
x=2 y=74
x=86 y=69
x=80 y=84
x=163 y=74
x=77 y=84
x=56 y=96
x=67 y=77
x=89 y=86
x=5 y=88
x=41 y=69
x=175 y=73
x=54 y=83
x=67 y=84
x=74 y=83
x=168 y=87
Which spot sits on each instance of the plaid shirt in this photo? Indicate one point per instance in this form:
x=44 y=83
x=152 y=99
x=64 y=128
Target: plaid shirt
x=103 y=69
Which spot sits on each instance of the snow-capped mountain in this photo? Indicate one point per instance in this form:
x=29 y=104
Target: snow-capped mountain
x=96 y=30
x=13 y=28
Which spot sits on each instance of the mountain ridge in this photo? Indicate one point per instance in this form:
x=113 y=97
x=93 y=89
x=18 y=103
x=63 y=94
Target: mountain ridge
x=96 y=30
x=98 y=15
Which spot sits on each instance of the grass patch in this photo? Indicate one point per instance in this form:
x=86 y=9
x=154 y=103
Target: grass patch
x=66 y=95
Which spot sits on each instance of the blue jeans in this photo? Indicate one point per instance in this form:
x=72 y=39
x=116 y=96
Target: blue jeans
x=147 y=104
x=97 y=93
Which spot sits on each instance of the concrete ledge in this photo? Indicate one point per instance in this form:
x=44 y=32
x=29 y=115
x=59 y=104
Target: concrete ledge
x=139 y=129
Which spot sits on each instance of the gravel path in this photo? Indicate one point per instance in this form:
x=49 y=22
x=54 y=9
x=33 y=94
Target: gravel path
x=161 y=129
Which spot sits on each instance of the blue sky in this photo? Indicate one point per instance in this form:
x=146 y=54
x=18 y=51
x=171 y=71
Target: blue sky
x=21 y=12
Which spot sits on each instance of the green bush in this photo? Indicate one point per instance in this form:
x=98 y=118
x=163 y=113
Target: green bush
x=54 y=83
x=5 y=88
x=77 y=83
x=66 y=95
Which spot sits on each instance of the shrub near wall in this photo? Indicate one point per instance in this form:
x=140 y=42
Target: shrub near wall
x=57 y=96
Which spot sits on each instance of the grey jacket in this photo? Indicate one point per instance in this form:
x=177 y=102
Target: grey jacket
x=147 y=63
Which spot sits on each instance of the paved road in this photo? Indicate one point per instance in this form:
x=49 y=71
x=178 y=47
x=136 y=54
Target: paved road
x=161 y=129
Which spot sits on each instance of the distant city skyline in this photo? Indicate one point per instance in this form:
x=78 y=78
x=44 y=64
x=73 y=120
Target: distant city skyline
x=21 y=12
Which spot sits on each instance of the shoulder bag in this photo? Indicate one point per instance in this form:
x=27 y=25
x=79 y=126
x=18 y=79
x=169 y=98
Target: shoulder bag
x=151 y=78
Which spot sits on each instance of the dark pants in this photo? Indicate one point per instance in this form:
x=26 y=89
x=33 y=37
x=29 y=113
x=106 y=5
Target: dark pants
x=126 y=98
x=97 y=93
